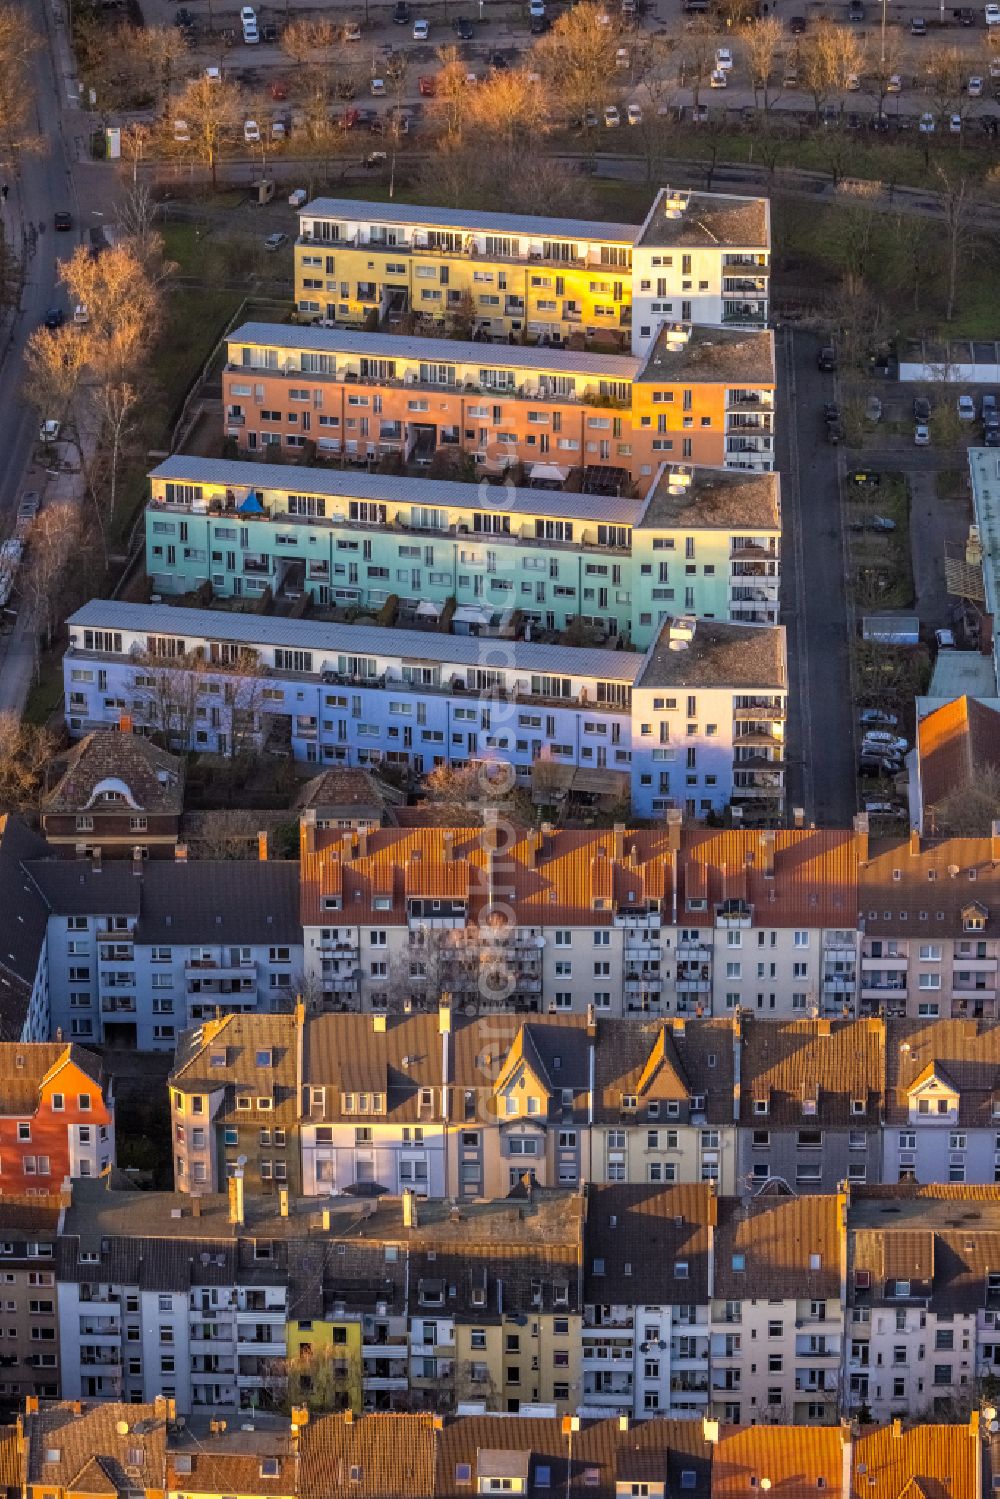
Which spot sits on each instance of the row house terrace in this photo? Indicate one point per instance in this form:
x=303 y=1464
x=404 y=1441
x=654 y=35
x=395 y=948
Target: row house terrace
x=423 y=1456
x=700 y=396
x=705 y=540
x=518 y=274
x=665 y=921
x=57 y=1117
x=942 y=1110
x=931 y=935
x=778 y=1294
x=700 y=257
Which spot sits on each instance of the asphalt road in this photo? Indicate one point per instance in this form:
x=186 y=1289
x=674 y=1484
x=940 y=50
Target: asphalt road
x=45 y=183
x=814 y=603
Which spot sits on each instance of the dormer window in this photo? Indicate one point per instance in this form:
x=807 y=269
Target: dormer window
x=653 y=1110
x=697 y=1103
x=901 y=1288
x=858 y=1106
x=629 y=1102
x=760 y=1105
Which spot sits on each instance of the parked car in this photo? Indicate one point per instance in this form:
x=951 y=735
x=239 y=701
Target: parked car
x=376 y=159
x=918 y=26
x=797 y=25
x=877 y=718
x=464 y=29
x=54 y=318
x=873 y=409
x=856 y=10
x=401 y=12
x=831 y=411
x=881 y=523
x=966 y=409
x=989 y=410
x=853 y=85
x=885 y=743
x=421 y=31
x=922 y=435
x=634 y=114
x=724 y=58
x=895 y=84
x=612 y=118
x=921 y=409
x=975 y=88
x=378 y=87
x=62 y=220
x=49 y=431
x=251 y=132
x=826 y=359
x=879 y=765
x=992 y=14
x=955 y=124
x=926 y=126
x=718 y=79
x=991 y=437
x=944 y=639
x=427 y=85
x=885 y=809
x=965 y=15
x=835 y=433
x=275 y=241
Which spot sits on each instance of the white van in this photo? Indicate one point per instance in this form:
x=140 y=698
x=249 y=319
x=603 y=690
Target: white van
x=248 y=16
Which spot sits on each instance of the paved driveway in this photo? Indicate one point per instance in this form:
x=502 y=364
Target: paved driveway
x=814 y=605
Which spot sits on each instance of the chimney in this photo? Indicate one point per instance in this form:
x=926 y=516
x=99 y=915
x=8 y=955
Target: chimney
x=447 y=845
x=300 y=1415
x=798 y=817
x=444 y=1015
x=914 y=843
x=180 y=853
x=528 y=1183
x=262 y=846
x=767 y=853
x=362 y=843
x=709 y=1431
x=861 y=836
x=591 y=1021
x=378 y=1025
x=300 y=1012
x=674 y=826
x=125 y=723
x=623 y=1423
x=995 y=840
x=619 y=842
x=283 y=1202
x=325 y=1220
x=897 y=1427
x=534 y=844
x=95 y=860
x=236 y=1215
x=491 y=829
x=307 y=831
x=196 y=1205
x=136 y=859
x=409 y=1209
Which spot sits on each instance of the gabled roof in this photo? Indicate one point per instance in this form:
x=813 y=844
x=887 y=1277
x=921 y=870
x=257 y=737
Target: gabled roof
x=637 y=1235
x=799 y=1461
x=765 y=1247
x=152 y=778
x=942 y=1460
x=835 y=1063
x=955 y=743
x=964 y=1054
x=378 y=1457
x=97 y=1440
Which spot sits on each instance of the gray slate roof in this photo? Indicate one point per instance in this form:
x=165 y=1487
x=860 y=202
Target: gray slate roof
x=25 y=919
x=434 y=350
x=528 y=225
x=302 y=634
x=339 y=484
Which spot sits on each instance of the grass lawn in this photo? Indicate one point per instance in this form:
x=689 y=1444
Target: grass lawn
x=46 y=692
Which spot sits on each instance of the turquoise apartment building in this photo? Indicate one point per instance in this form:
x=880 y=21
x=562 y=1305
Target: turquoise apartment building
x=702 y=542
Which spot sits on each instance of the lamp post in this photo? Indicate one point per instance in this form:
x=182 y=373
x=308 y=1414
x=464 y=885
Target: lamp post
x=883 y=32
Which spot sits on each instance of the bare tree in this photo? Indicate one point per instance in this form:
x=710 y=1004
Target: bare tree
x=508 y=105
x=958 y=204
x=577 y=57
x=53 y=544
x=452 y=102
x=944 y=79
x=763 y=40
x=306 y=40
x=161 y=49
x=697 y=59
x=212 y=108
x=18 y=43
x=819 y=62
x=25 y=751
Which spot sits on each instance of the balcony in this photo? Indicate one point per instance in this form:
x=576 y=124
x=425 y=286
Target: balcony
x=759 y=713
x=896 y=963
x=754 y=400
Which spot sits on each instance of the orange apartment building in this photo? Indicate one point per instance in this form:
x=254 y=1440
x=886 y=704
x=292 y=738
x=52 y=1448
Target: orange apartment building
x=701 y=395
